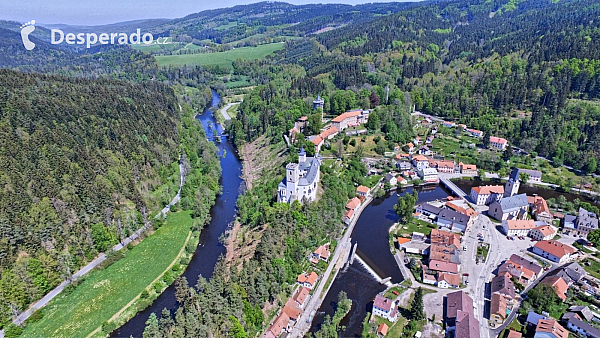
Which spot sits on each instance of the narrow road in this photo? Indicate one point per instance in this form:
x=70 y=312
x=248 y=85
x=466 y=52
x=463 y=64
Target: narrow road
x=341 y=251
x=224 y=110
x=97 y=261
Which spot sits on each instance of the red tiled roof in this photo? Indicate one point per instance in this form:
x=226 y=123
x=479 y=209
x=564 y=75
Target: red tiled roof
x=546 y=230
x=443 y=266
x=489 y=189
x=311 y=278
x=362 y=189
x=383 y=303
x=346 y=115
x=498 y=305
x=555 y=248
x=551 y=326
x=353 y=203
x=468 y=166
x=301 y=295
x=402 y=240
x=514 y=334
x=291 y=309
x=558 y=284
x=322 y=251
x=451 y=279
x=520 y=224
x=382 y=329
x=495 y=139
x=280 y=323
x=443 y=237
x=420 y=158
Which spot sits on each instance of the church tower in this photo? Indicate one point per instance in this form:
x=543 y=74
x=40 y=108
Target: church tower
x=513 y=184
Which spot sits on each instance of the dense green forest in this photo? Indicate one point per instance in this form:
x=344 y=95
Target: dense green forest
x=84 y=164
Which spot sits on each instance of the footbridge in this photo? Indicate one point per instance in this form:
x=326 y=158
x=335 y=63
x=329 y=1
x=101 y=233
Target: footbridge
x=453 y=187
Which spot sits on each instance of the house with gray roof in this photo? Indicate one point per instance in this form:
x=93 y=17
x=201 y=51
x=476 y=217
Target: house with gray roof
x=575 y=324
x=454 y=220
x=582 y=311
x=514 y=207
x=585 y=222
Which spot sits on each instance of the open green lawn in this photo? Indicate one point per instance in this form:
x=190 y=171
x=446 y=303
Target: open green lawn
x=103 y=293
x=221 y=59
x=390 y=293
x=592 y=267
x=414 y=225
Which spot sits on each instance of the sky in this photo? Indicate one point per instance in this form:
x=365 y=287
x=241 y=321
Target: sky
x=99 y=12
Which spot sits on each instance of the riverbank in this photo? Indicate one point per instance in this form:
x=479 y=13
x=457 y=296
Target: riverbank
x=143 y=272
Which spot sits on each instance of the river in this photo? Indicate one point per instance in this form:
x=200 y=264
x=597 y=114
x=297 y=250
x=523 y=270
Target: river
x=209 y=248
x=371 y=232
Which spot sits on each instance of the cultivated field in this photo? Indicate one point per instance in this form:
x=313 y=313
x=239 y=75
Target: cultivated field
x=221 y=59
x=104 y=293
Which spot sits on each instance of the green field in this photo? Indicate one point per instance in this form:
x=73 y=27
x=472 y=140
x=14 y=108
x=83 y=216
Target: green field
x=105 y=292
x=221 y=59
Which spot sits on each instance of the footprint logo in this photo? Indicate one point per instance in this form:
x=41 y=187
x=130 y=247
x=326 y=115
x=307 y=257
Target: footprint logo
x=26 y=29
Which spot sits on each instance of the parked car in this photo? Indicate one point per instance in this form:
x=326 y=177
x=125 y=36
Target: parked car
x=508 y=237
x=395 y=292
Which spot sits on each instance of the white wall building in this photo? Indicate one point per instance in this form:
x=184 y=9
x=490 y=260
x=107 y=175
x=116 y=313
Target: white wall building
x=301 y=180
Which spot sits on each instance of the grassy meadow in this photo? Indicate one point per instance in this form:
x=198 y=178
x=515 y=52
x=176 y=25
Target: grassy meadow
x=221 y=59
x=105 y=292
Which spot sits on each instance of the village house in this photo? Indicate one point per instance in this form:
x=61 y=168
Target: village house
x=585 y=222
x=446 y=238
x=498 y=309
x=321 y=253
x=582 y=328
x=351 y=210
x=533 y=175
x=467 y=169
x=420 y=161
x=280 y=324
x=441 y=266
x=449 y=124
x=410 y=147
x=292 y=310
x=517 y=271
x=498 y=143
x=302 y=178
x=403 y=165
x=487 y=194
x=301 y=295
x=382 y=330
x=460 y=320
x=424 y=150
x=514 y=207
x=308 y=280
x=475 y=133
x=514 y=334
x=429 y=175
x=554 y=251
x=318 y=103
x=446 y=281
x=539 y=209
x=428 y=211
x=542 y=232
x=465 y=211
x=385 y=308
x=444 y=253
x=363 y=191
x=517 y=227
x=391 y=179
x=446 y=166
x=328 y=134
x=502 y=285
x=454 y=220
x=570 y=273
x=428 y=278
x=550 y=328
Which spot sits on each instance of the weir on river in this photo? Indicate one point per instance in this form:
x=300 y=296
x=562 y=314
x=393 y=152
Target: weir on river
x=209 y=248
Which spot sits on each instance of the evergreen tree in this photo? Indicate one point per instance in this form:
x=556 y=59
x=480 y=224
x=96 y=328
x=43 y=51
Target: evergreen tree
x=416 y=307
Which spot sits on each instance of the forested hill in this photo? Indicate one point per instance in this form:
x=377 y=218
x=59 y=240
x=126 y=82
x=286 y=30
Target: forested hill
x=78 y=159
x=120 y=62
x=518 y=69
